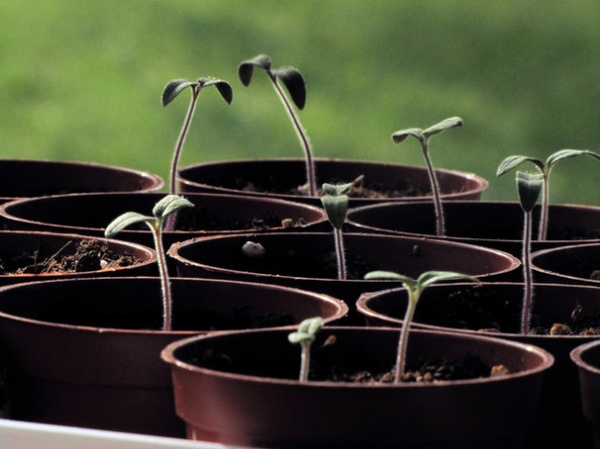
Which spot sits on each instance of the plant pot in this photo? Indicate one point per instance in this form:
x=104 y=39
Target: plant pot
x=494 y=224
x=280 y=177
x=297 y=260
x=573 y=264
x=31 y=249
x=23 y=178
x=211 y=214
x=85 y=353
x=587 y=359
x=465 y=309
x=261 y=404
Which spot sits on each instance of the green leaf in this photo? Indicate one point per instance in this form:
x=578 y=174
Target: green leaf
x=125 y=220
x=170 y=204
x=223 y=87
x=336 y=208
x=401 y=136
x=294 y=82
x=307 y=331
x=513 y=161
x=444 y=125
x=529 y=186
x=431 y=277
x=564 y=154
x=389 y=276
x=337 y=189
x=246 y=68
x=173 y=88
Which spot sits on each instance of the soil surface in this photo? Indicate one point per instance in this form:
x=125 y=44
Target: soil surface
x=87 y=255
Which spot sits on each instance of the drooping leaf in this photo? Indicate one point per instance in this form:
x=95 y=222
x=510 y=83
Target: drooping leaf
x=336 y=208
x=337 y=189
x=402 y=135
x=174 y=88
x=529 y=186
x=294 y=82
x=170 y=204
x=564 y=154
x=431 y=277
x=307 y=331
x=223 y=87
x=513 y=161
x=246 y=68
x=444 y=125
x=125 y=220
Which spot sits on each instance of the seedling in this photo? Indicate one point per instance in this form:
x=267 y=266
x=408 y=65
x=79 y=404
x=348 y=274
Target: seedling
x=544 y=168
x=294 y=82
x=166 y=206
x=305 y=335
x=335 y=202
x=415 y=288
x=529 y=186
x=170 y=92
x=424 y=136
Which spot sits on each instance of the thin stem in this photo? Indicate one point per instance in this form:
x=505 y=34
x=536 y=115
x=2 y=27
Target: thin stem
x=543 y=231
x=164 y=276
x=528 y=275
x=182 y=136
x=435 y=190
x=403 y=341
x=310 y=165
x=304 y=362
x=340 y=253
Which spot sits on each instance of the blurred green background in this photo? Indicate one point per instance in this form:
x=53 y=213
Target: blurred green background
x=81 y=80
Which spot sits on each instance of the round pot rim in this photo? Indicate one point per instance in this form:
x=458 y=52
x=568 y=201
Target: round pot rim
x=547 y=360
x=362 y=307
x=343 y=308
x=173 y=253
x=559 y=249
x=578 y=353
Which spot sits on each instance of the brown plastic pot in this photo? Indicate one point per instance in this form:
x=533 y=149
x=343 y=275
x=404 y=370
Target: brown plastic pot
x=22 y=178
x=573 y=264
x=494 y=224
x=587 y=359
x=466 y=309
x=273 y=176
x=296 y=259
x=86 y=353
x=46 y=244
x=261 y=404
x=211 y=214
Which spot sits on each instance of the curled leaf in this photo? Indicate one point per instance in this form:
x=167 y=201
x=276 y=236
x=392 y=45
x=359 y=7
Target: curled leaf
x=307 y=331
x=449 y=123
x=170 y=204
x=223 y=87
x=174 y=88
x=294 y=82
x=246 y=68
x=564 y=154
x=529 y=186
x=513 y=161
x=401 y=136
x=125 y=220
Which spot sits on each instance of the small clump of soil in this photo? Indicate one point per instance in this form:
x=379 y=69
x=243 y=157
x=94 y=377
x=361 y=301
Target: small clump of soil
x=88 y=255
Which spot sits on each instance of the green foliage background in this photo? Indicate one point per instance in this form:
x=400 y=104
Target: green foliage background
x=81 y=80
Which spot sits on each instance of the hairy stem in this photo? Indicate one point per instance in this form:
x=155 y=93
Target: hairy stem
x=435 y=190
x=403 y=341
x=163 y=273
x=310 y=164
x=528 y=276
x=543 y=230
x=304 y=362
x=340 y=253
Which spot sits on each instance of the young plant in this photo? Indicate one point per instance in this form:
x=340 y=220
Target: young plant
x=529 y=186
x=423 y=136
x=335 y=202
x=294 y=82
x=305 y=335
x=544 y=168
x=415 y=288
x=170 y=92
x=166 y=206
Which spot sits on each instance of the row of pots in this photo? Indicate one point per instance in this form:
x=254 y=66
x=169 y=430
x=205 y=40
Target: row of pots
x=248 y=424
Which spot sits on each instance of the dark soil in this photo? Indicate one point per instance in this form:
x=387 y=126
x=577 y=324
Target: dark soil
x=85 y=256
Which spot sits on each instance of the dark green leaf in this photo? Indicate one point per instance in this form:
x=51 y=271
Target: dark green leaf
x=246 y=68
x=173 y=88
x=452 y=122
x=529 y=186
x=336 y=208
x=223 y=87
x=401 y=136
x=513 y=161
x=294 y=82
